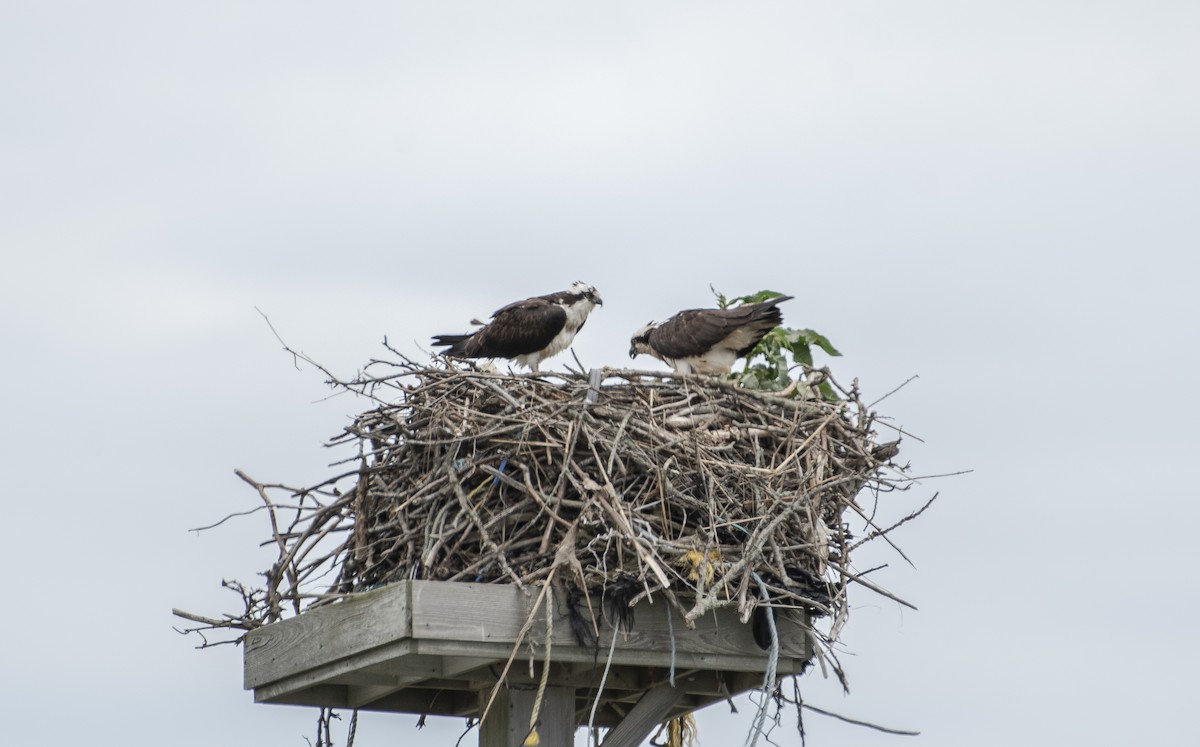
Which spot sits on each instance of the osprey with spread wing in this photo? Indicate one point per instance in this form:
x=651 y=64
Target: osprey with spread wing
x=530 y=331
x=708 y=341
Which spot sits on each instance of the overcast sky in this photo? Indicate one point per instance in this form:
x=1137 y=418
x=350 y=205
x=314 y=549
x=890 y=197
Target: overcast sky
x=1001 y=198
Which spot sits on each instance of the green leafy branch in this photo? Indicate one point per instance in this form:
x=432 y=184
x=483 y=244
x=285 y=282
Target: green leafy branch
x=769 y=366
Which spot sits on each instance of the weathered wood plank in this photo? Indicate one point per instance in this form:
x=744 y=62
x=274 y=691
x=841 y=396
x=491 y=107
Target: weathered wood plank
x=587 y=675
x=363 y=679
x=468 y=612
x=332 y=672
x=621 y=657
x=410 y=671
x=469 y=672
x=460 y=666
x=651 y=710
x=491 y=613
x=398 y=647
x=497 y=612
x=453 y=702
x=359 y=623
x=409 y=665
x=436 y=702
x=358 y=696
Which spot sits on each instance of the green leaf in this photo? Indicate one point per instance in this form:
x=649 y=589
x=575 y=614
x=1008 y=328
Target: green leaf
x=768 y=366
x=802 y=353
x=820 y=340
x=828 y=392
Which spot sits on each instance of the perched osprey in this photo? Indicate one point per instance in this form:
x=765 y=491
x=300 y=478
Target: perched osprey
x=708 y=341
x=530 y=331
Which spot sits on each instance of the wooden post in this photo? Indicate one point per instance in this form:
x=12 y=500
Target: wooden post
x=507 y=724
x=653 y=709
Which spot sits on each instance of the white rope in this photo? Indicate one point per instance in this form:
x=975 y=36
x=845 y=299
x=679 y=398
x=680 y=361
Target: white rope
x=531 y=736
x=760 y=717
x=671 y=631
x=604 y=678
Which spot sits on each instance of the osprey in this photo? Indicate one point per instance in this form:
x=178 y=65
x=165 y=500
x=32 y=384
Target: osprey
x=708 y=341
x=530 y=331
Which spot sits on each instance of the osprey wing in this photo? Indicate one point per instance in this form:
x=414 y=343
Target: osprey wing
x=519 y=329
x=696 y=331
x=691 y=332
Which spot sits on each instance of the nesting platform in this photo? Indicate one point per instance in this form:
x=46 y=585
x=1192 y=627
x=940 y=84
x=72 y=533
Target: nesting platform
x=494 y=519
x=436 y=647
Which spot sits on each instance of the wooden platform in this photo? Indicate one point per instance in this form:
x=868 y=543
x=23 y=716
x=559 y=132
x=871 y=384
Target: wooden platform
x=439 y=648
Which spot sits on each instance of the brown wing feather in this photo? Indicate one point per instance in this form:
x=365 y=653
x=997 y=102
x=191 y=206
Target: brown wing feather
x=695 y=331
x=518 y=329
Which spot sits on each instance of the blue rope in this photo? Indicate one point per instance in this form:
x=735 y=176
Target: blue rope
x=503 y=464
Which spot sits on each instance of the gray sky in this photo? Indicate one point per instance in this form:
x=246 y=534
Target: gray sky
x=999 y=197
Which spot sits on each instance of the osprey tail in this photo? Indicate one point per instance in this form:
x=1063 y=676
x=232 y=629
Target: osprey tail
x=458 y=344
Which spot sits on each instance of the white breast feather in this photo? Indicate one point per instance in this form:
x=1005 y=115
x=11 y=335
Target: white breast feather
x=576 y=316
x=719 y=360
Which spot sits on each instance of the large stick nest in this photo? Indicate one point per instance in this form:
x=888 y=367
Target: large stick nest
x=682 y=486
x=480 y=477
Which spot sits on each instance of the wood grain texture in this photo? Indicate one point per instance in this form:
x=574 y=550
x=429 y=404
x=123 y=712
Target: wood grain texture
x=357 y=624
x=487 y=613
x=334 y=671
x=623 y=656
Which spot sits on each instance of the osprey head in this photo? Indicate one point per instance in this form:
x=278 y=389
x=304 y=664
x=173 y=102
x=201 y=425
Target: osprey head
x=640 y=342
x=586 y=292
